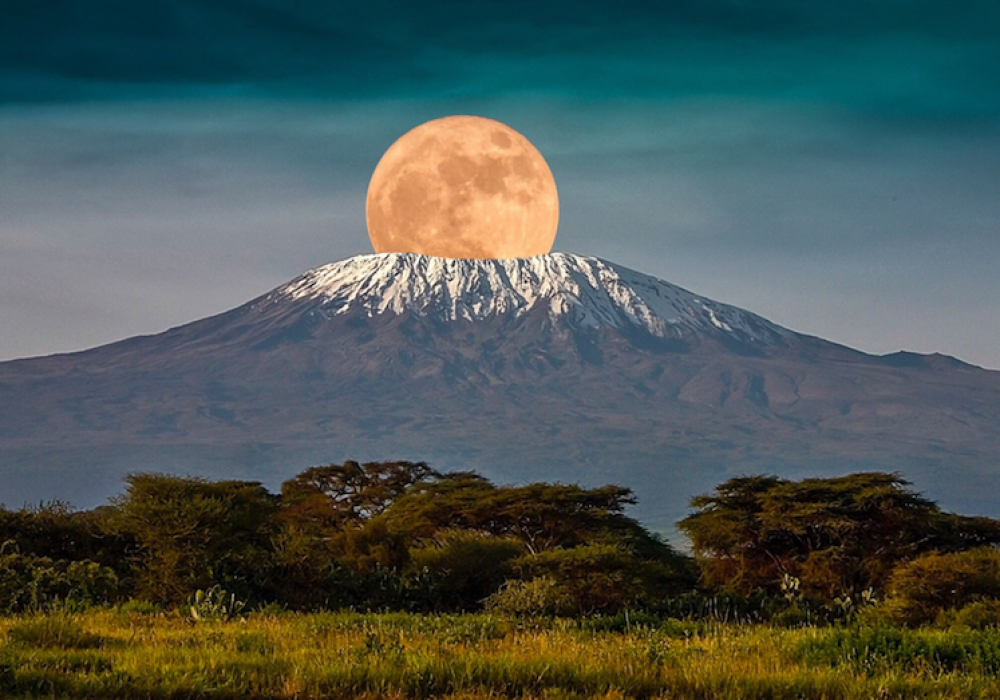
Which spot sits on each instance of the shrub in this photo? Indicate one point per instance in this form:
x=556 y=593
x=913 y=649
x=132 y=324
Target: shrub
x=215 y=604
x=464 y=567
x=983 y=614
x=931 y=584
x=538 y=597
x=794 y=615
x=35 y=583
x=56 y=531
x=271 y=610
x=600 y=578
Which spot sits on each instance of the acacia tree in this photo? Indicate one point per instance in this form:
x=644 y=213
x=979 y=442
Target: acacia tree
x=193 y=533
x=337 y=495
x=836 y=535
x=326 y=532
x=541 y=516
x=578 y=539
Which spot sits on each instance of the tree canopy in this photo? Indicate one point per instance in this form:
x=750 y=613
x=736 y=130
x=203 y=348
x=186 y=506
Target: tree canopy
x=192 y=533
x=399 y=535
x=541 y=516
x=836 y=535
x=349 y=493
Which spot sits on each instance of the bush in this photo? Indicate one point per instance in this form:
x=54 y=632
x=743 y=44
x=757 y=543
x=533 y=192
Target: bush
x=983 y=614
x=56 y=531
x=921 y=590
x=793 y=616
x=835 y=535
x=541 y=597
x=600 y=578
x=36 y=583
x=215 y=604
x=464 y=567
x=271 y=610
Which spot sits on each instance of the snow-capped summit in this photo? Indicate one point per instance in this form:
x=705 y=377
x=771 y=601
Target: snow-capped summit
x=582 y=292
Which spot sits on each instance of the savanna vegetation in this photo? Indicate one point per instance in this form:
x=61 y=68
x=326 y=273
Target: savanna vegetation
x=391 y=579
x=133 y=652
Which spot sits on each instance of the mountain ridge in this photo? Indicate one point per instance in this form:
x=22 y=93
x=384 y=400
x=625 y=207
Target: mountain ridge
x=559 y=367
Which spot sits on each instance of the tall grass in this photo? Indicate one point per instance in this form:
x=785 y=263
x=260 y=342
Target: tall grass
x=105 y=654
x=880 y=649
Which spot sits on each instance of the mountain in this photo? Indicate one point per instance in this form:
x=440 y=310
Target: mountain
x=557 y=367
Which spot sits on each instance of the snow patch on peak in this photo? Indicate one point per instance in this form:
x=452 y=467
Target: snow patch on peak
x=581 y=291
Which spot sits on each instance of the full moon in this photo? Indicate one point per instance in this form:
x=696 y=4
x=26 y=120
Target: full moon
x=463 y=187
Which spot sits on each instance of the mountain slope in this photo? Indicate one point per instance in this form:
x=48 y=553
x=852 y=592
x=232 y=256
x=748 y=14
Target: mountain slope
x=555 y=367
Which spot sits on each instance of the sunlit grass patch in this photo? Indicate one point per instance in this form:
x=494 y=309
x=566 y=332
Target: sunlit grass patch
x=52 y=631
x=348 y=655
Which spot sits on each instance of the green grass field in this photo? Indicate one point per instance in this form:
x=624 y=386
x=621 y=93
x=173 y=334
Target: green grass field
x=109 y=653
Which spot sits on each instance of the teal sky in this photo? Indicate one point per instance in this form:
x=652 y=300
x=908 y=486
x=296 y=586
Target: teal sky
x=832 y=166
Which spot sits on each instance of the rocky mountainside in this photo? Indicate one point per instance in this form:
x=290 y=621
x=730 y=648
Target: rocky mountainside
x=558 y=367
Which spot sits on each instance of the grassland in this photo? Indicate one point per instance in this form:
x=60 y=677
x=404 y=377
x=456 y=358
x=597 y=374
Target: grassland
x=116 y=653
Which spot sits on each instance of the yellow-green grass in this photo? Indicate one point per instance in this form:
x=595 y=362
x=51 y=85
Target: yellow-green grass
x=105 y=654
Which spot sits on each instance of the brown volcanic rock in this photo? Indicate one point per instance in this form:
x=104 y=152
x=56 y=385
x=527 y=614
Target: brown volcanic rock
x=556 y=368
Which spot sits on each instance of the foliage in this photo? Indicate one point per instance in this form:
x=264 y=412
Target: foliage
x=327 y=545
x=541 y=516
x=577 y=537
x=37 y=583
x=215 y=604
x=924 y=588
x=400 y=536
x=336 y=495
x=982 y=614
x=837 y=536
x=599 y=577
x=193 y=534
x=541 y=596
x=463 y=567
x=139 y=607
x=55 y=531
x=379 y=535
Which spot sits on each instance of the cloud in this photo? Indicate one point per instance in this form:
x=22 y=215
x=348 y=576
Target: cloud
x=895 y=57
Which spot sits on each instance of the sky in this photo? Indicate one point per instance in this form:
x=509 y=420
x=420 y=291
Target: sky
x=834 y=167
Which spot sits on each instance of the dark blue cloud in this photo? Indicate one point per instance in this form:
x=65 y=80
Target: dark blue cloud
x=894 y=57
